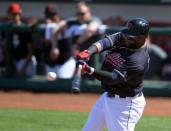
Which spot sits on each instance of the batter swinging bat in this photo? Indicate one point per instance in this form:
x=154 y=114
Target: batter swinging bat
x=76 y=83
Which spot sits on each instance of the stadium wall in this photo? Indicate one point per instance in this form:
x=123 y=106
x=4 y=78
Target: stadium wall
x=150 y=12
x=40 y=84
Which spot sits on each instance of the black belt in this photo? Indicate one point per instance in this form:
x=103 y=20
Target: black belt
x=111 y=94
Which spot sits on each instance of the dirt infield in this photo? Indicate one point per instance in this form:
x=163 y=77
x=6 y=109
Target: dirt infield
x=71 y=102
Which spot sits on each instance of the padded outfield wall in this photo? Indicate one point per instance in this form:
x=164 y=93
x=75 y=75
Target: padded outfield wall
x=40 y=84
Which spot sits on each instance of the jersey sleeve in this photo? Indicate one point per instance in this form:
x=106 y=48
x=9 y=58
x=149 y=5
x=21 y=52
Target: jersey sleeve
x=130 y=75
x=117 y=76
x=110 y=41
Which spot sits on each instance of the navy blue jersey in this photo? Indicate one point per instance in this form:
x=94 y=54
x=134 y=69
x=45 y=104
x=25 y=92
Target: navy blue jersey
x=130 y=64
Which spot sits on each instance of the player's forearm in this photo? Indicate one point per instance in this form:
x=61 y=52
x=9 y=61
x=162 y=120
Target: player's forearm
x=92 y=49
x=100 y=46
x=95 y=48
x=106 y=43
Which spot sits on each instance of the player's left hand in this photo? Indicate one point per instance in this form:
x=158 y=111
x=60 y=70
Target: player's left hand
x=85 y=67
x=84 y=55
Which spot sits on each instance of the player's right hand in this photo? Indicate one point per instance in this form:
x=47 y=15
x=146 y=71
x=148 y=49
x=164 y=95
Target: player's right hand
x=84 y=55
x=85 y=67
x=83 y=64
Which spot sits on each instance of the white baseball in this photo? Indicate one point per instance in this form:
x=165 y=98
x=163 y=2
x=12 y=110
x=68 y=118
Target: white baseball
x=51 y=76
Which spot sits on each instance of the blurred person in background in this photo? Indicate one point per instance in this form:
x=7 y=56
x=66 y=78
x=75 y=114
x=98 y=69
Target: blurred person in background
x=81 y=27
x=166 y=66
x=157 y=56
x=81 y=30
x=166 y=69
x=20 y=46
x=57 y=50
x=51 y=19
x=166 y=44
x=37 y=35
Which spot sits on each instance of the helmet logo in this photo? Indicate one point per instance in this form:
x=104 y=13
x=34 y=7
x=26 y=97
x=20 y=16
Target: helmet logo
x=142 y=23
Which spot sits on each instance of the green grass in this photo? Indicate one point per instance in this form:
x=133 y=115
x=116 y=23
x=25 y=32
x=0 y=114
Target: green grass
x=48 y=120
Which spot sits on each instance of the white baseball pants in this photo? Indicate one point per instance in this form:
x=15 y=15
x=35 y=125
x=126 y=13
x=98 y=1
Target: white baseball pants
x=115 y=114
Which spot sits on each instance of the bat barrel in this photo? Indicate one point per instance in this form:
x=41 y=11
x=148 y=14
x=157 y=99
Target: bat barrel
x=76 y=83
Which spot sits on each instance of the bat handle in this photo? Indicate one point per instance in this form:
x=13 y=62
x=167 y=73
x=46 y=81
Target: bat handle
x=80 y=67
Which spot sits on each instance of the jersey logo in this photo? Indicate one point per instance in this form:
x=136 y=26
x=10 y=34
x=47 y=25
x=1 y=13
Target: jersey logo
x=115 y=59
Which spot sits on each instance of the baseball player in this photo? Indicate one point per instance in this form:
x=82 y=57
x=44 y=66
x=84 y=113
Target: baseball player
x=121 y=105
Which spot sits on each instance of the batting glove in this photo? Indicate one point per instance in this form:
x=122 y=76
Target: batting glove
x=85 y=67
x=84 y=55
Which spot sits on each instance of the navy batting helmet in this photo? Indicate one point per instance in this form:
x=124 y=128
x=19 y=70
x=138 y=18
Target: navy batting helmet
x=136 y=27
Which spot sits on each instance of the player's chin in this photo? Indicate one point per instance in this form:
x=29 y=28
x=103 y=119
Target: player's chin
x=134 y=44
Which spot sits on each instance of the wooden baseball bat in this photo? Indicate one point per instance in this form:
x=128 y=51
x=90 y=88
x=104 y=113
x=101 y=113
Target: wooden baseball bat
x=76 y=83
